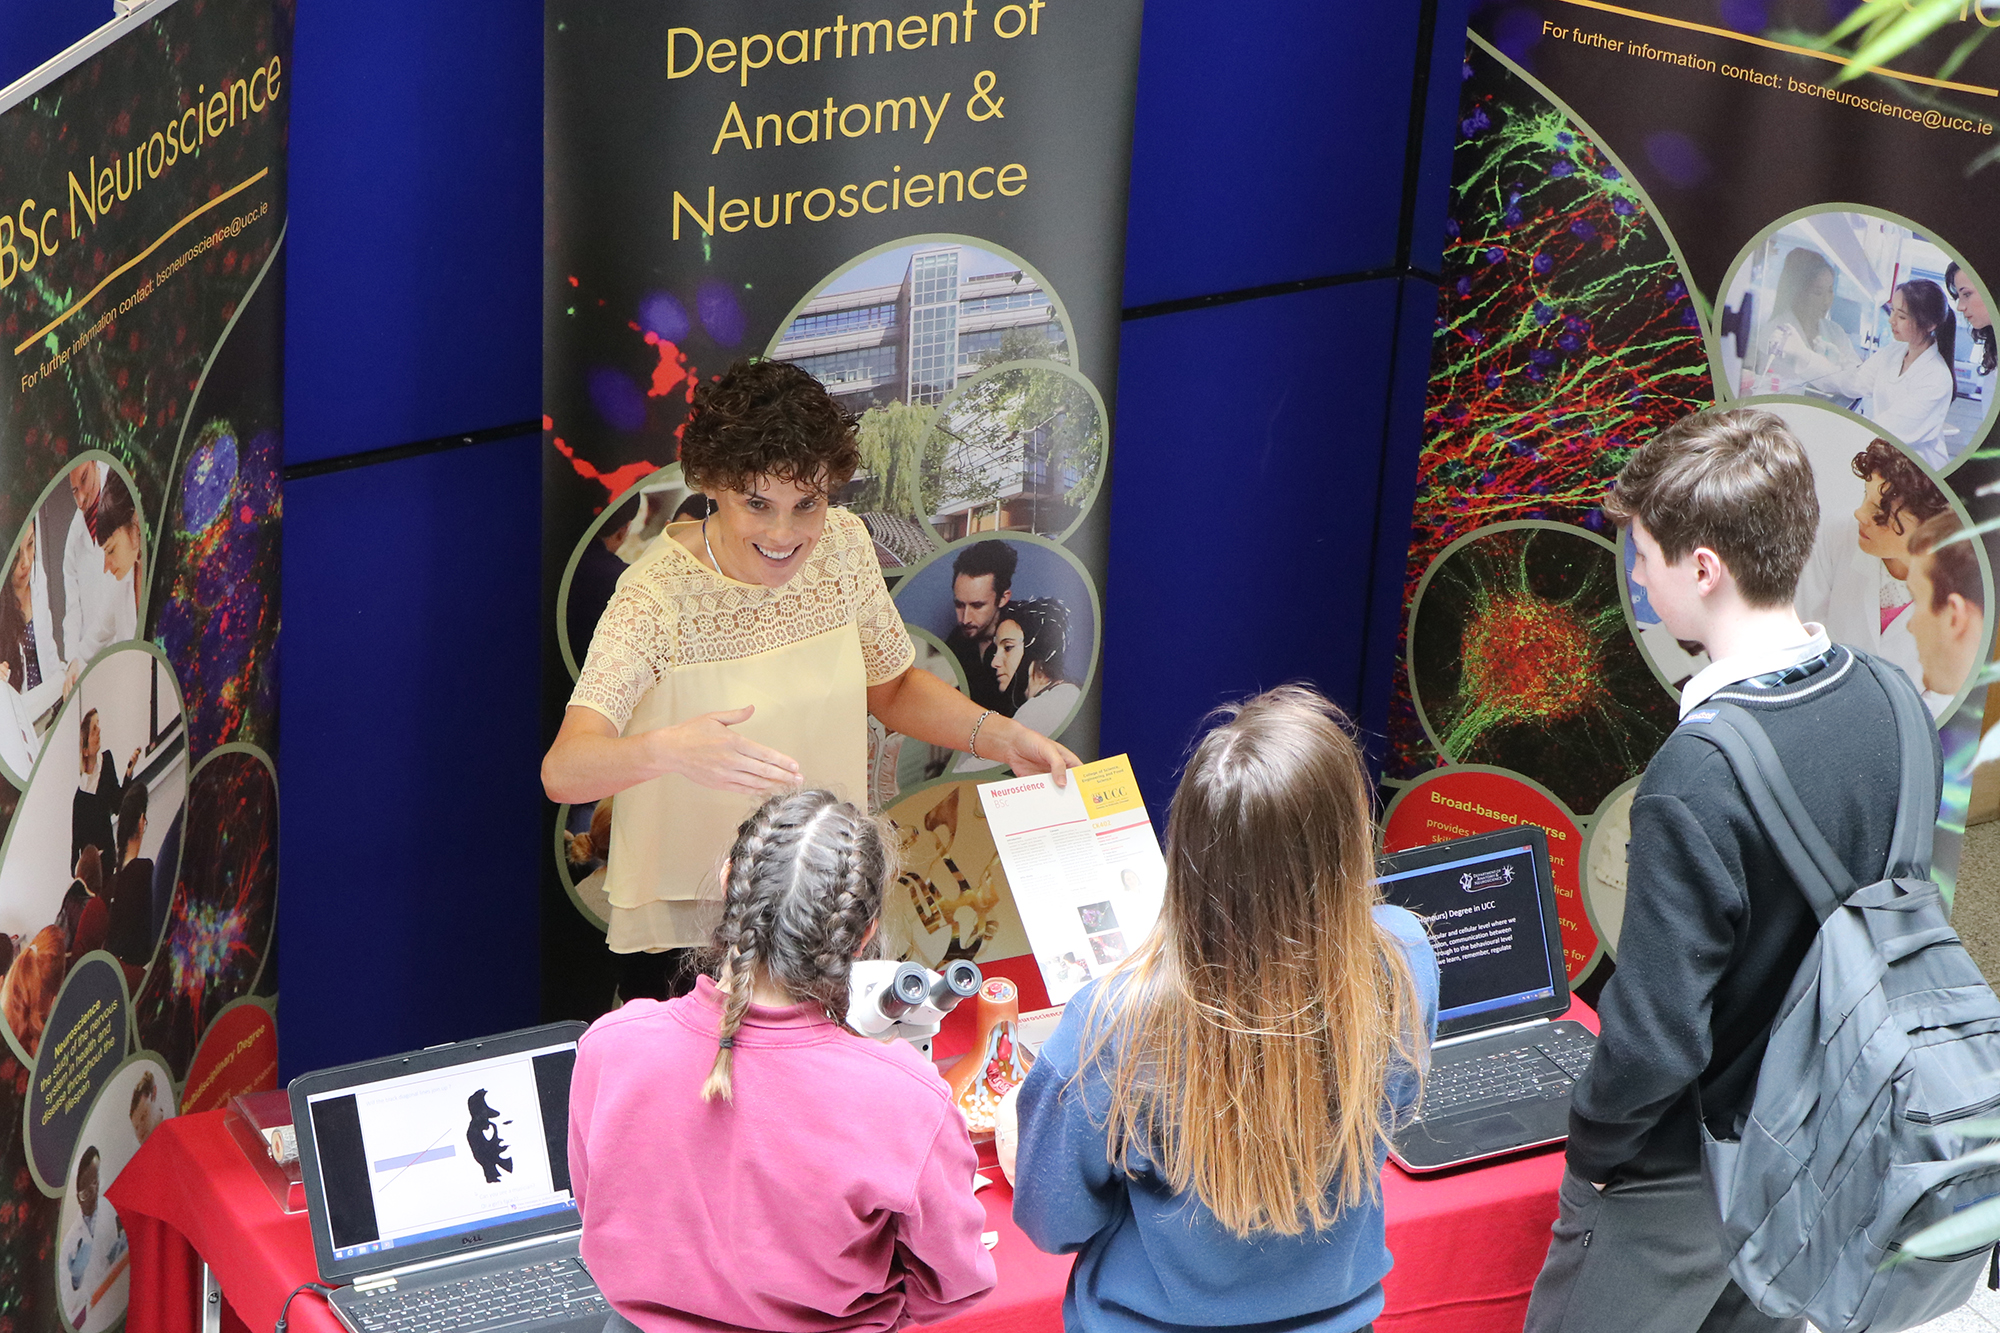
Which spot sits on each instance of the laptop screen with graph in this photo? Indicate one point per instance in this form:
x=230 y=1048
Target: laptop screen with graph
x=435 y=1159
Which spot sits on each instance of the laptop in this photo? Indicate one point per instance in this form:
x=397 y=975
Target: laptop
x=437 y=1184
x=1505 y=1058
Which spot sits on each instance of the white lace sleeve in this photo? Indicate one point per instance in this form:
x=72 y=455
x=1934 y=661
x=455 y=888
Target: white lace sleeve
x=631 y=648
x=886 y=649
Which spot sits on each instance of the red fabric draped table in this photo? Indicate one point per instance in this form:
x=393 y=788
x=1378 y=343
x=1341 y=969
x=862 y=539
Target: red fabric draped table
x=1468 y=1243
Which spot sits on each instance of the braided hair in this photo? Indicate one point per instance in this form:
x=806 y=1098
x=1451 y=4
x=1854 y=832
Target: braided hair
x=805 y=883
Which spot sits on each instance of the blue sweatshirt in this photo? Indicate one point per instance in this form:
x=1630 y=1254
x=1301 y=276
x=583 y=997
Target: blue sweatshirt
x=1150 y=1259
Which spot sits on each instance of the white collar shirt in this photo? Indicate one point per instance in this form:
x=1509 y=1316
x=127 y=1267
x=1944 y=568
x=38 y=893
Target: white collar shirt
x=1717 y=676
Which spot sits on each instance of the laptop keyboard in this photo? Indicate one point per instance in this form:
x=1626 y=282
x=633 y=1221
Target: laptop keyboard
x=559 y=1289
x=1543 y=1070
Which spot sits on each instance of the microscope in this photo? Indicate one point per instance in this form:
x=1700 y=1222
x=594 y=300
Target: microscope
x=888 y=1000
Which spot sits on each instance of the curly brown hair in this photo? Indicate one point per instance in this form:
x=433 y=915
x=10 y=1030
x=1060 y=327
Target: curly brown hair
x=1908 y=496
x=767 y=419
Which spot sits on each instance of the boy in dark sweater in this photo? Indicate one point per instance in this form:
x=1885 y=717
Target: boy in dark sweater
x=1722 y=511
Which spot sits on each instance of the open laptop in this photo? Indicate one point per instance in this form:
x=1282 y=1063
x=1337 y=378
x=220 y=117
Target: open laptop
x=1504 y=1058
x=438 y=1187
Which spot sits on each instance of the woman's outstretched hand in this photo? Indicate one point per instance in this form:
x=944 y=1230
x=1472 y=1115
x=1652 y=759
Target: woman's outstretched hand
x=1027 y=752
x=708 y=752
x=590 y=760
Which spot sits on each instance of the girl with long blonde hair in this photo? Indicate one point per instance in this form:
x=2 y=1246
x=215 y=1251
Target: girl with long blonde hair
x=1207 y=1124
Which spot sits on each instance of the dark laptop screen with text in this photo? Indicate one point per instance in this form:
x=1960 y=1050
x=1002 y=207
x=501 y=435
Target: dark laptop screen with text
x=1484 y=915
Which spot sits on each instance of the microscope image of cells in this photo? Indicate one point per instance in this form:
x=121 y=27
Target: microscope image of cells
x=1521 y=659
x=1566 y=336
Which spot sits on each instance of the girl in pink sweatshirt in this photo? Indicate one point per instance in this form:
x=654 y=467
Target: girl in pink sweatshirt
x=741 y=1159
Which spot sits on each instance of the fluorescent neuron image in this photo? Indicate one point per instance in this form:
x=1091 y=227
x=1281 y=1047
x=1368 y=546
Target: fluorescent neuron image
x=1521 y=659
x=216 y=599
x=27 y=1217
x=1566 y=335
x=219 y=926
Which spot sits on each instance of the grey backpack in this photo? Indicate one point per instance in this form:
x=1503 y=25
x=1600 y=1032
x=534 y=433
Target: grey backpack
x=1888 y=1037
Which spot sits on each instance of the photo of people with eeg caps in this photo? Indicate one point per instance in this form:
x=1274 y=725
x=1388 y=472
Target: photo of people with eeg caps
x=1021 y=618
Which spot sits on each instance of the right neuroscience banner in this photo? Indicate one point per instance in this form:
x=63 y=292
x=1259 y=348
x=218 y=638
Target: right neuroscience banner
x=1657 y=209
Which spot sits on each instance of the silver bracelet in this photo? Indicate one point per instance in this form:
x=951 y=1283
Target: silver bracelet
x=972 y=745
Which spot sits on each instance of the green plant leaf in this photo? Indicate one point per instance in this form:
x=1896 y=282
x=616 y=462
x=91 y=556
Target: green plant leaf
x=1976 y=1226
x=1923 y=19
x=1961 y=52
x=1873 y=17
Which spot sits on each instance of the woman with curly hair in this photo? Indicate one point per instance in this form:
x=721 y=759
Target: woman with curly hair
x=1853 y=582
x=743 y=654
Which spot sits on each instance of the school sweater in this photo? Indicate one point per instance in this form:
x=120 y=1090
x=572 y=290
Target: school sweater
x=1151 y=1259
x=834 y=1192
x=1715 y=928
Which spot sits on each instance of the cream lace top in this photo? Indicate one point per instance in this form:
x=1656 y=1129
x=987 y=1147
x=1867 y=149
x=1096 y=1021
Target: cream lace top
x=679 y=640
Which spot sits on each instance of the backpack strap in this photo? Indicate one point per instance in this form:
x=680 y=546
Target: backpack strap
x=1917 y=807
x=1821 y=877
x=1818 y=870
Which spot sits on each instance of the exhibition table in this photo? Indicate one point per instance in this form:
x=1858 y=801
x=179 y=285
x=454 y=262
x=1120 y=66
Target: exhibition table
x=1467 y=1243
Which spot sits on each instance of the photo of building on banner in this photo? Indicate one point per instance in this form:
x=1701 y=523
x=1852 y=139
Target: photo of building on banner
x=926 y=218
x=1085 y=866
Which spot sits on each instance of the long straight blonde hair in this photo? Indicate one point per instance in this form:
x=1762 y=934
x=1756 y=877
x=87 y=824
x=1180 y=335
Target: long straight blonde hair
x=1248 y=1043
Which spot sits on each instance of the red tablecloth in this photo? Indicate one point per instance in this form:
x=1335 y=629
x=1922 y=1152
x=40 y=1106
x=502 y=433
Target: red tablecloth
x=1468 y=1243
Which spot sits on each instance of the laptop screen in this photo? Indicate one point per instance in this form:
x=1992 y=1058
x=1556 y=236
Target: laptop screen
x=445 y=1152
x=1490 y=917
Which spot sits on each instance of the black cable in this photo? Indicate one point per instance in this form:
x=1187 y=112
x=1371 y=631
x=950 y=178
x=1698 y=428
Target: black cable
x=285 y=1311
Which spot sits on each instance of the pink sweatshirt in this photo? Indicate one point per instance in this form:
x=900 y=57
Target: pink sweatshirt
x=834 y=1192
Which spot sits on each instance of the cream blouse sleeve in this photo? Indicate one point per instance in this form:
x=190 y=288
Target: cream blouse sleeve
x=631 y=649
x=886 y=649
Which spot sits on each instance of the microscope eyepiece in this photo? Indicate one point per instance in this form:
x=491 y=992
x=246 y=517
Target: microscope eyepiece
x=905 y=991
x=959 y=981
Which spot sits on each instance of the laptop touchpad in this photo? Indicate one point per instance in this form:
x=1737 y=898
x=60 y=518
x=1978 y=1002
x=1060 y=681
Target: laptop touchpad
x=1487 y=1128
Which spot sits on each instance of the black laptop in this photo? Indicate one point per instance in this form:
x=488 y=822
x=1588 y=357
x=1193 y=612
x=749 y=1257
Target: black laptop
x=1505 y=1058
x=438 y=1187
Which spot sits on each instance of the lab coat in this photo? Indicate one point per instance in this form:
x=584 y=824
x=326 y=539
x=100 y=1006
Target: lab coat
x=1907 y=404
x=98 y=609
x=92 y=1245
x=1841 y=588
x=28 y=704
x=1788 y=358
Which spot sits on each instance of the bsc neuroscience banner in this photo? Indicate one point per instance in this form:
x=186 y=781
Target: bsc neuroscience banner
x=1657 y=208
x=142 y=215
x=926 y=212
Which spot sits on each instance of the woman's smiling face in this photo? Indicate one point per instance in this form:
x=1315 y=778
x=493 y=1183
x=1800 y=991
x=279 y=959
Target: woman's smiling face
x=765 y=533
